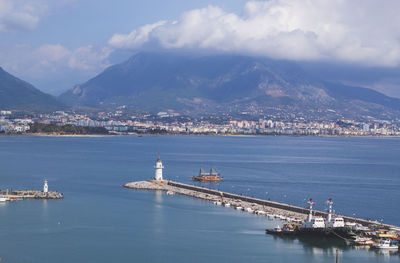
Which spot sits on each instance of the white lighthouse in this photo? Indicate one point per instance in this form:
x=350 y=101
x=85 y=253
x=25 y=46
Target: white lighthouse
x=158 y=173
x=45 y=187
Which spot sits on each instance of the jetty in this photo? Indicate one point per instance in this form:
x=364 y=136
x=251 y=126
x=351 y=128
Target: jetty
x=12 y=195
x=268 y=208
x=271 y=209
x=31 y=194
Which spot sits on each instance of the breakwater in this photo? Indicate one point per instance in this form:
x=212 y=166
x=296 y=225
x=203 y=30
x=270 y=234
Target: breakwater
x=32 y=194
x=251 y=204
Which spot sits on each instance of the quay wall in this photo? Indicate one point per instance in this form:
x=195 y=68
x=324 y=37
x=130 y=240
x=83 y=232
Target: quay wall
x=273 y=204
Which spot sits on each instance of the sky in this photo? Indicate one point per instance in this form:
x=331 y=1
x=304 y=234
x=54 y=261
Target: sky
x=56 y=44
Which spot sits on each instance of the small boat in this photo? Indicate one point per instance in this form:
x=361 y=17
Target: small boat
x=4 y=199
x=212 y=176
x=227 y=204
x=250 y=210
x=239 y=208
x=287 y=229
x=275 y=230
x=385 y=234
x=363 y=241
x=385 y=244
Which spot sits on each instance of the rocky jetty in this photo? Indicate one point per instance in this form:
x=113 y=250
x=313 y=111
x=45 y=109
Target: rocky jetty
x=33 y=194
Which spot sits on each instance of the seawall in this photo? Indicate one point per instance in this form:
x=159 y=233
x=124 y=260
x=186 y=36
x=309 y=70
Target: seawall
x=212 y=195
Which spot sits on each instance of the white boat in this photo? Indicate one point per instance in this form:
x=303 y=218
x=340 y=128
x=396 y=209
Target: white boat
x=385 y=244
x=239 y=208
x=219 y=203
x=248 y=209
x=4 y=199
x=261 y=213
x=227 y=204
x=283 y=218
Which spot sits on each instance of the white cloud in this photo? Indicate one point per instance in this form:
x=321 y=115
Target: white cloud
x=24 y=15
x=356 y=31
x=54 y=68
x=136 y=38
x=39 y=62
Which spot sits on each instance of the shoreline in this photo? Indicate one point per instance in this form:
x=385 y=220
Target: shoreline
x=194 y=135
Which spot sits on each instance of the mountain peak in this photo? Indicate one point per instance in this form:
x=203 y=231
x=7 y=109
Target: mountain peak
x=218 y=84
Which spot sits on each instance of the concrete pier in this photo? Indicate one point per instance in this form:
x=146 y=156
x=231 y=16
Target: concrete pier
x=240 y=202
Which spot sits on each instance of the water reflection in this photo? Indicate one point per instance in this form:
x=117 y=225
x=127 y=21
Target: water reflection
x=328 y=246
x=158 y=213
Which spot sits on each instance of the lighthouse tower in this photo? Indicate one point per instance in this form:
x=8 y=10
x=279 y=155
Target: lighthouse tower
x=158 y=173
x=45 y=187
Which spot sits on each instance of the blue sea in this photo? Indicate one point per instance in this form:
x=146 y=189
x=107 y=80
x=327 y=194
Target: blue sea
x=100 y=221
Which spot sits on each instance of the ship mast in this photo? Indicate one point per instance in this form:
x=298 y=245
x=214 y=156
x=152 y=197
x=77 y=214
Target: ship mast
x=330 y=202
x=311 y=203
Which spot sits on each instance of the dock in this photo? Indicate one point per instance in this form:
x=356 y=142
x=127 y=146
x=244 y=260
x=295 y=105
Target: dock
x=260 y=206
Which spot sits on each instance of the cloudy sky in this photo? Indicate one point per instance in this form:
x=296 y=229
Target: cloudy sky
x=57 y=44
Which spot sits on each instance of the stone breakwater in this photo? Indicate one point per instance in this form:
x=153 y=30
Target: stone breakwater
x=218 y=198
x=268 y=208
x=33 y=194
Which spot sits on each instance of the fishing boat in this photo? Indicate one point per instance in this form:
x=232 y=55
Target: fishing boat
x=287 y=229
x=385 y=244
x=363 y=241
x=212 y=176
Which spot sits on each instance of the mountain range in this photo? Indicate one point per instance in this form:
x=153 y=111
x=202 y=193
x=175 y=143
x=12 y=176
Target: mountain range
x=226 y=84
x=16 y=94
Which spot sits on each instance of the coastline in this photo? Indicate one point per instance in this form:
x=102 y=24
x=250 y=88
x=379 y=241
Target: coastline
x=197 y=135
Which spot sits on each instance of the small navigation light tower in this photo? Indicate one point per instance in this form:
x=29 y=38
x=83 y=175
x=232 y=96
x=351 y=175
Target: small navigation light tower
x=45 y=187
x=158 y=173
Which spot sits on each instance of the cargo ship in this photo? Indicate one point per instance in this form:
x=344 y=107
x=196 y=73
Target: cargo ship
x=212 y=176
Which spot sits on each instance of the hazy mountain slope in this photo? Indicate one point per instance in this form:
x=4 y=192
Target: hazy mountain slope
x=223 y=84
x=16 y=94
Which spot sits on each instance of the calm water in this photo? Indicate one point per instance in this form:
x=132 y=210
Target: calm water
x=99 y=221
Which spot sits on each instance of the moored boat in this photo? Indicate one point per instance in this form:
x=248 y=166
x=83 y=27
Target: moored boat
x=287 y=229
x=363 y=241
x=4 y=198
x=385 y=244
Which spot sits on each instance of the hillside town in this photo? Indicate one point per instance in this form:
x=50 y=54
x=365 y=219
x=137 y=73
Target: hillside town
x=118 y=123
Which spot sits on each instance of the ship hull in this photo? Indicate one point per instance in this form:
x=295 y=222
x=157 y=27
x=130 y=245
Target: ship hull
x=339 y=232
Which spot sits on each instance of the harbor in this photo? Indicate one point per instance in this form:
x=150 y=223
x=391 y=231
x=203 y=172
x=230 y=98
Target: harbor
x=299 y=221
x=271 y=209
x=153 y=226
